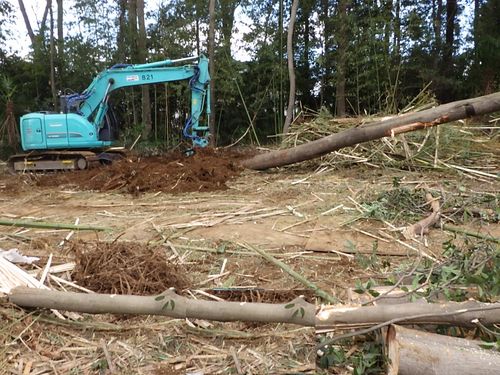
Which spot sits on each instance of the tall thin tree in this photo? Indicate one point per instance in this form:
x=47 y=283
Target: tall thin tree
x=291 y=69
x=52 y=57
x=142 y=53
x=29 y=29
x=211 y=57
x=60 y=42
x=342 y=42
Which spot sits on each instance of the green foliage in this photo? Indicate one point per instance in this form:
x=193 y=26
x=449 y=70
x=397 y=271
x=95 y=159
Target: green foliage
x=296 y=311
x=5 y=13
x=471 y=264
x=7 y=88
x=367 y=359
x=362 y=288
x=170 y=304
x=398 y=205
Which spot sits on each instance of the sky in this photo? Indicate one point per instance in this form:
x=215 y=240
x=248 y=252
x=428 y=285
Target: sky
x=20 y=42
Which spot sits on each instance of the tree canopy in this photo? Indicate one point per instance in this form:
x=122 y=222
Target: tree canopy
x=351 y=57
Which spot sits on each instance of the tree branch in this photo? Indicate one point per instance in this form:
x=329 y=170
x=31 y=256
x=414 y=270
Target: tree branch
x=169 y=303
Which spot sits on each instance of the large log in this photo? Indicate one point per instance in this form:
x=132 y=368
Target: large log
x=169 y=303
x=401 y=124
x=413 y=352
x=453 y=313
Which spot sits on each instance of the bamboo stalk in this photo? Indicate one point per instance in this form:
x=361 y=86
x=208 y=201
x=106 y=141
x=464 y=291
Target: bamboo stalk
x=486 y=237
x=32 y=224
x=297 y=276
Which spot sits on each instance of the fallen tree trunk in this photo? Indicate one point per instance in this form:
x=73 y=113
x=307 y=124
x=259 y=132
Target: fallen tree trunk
x=417 y=352
x=459 y=314
x=397 y=125
x=169 y=303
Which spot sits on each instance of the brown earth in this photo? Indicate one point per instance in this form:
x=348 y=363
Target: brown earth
x=207 y=170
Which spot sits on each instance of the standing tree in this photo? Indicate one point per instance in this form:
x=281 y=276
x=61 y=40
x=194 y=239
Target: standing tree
x=488 y=47
x=211 y=56
x=142 y=54
x=60 y=42
x=52 y=55
x=341 y=61
x=29 y=29
x=291 y=69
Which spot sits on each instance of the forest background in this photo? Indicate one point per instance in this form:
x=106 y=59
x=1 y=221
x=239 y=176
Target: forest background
x=351 y=57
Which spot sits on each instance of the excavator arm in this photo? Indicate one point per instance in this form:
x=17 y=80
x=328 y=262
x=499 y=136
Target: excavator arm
x=92 y=104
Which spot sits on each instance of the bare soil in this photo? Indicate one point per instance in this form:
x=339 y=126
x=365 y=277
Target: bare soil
x=186 y=223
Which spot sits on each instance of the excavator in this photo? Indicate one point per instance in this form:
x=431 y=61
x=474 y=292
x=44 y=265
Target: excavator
x=85 y=130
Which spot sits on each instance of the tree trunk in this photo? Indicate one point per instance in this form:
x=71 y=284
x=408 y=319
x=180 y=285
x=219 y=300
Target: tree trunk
x=291 y=70
x=211 y=57
x=60 y=42
x=397 y=33
x=121 y=38
x=401 y=124
x=477 y=6
x=132 y=47
x=29 y=29
x=451 y=14
x=451 y=313
x=437 y=10
x=342 y=43
x=297 y=311
x=52 y=57
x=132 y=30
x=280 y=61
x=412 y=352
x=304 y=69
x=327 y=48
x=142 y=54
x=227 y=8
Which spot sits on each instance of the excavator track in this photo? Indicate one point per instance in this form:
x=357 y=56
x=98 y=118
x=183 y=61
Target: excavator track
x=60 y=160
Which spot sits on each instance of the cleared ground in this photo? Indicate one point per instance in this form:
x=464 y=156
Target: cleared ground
x=198 y=216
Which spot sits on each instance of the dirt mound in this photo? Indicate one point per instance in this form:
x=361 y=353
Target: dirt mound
x=126 y=268
x=207 y=170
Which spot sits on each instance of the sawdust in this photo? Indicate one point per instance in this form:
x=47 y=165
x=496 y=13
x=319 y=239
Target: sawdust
x=206 y=170
x=126 y=268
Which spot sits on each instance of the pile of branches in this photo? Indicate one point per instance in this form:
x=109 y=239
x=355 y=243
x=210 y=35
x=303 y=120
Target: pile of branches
x=126 y=268
x=416 y=149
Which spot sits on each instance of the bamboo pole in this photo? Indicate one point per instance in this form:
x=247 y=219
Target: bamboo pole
x=481 y=236
x=297 y=276
x=33 y=224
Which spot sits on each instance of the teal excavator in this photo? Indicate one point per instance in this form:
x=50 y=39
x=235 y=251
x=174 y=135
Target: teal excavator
x=85 y=130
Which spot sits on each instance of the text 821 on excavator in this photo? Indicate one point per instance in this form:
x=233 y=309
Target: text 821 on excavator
x=84 y=131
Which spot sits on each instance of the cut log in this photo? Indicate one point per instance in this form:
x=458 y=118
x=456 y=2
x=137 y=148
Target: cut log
x=417 y=352
x=397 y=125
x=453 y=313
x=169 y=303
